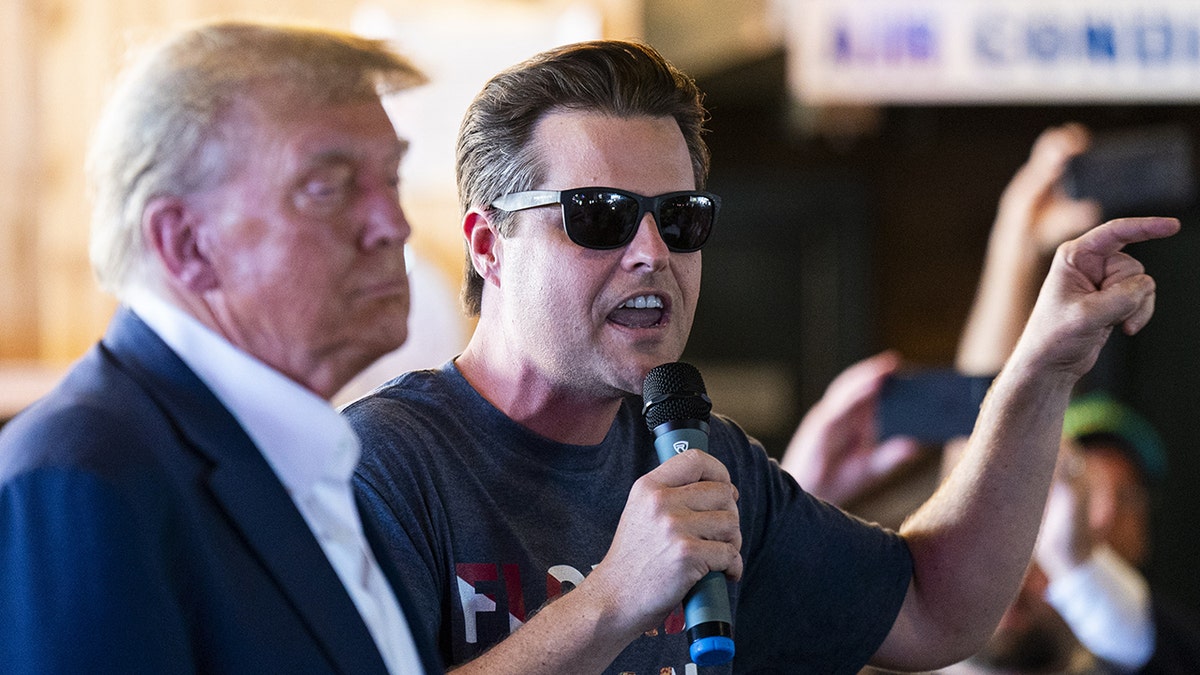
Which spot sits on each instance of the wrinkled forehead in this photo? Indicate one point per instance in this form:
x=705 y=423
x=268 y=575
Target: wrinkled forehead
x=261 y=134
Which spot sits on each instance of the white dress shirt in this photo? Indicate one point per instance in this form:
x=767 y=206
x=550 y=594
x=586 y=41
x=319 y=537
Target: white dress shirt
x=312 y=450
x=1106 y=602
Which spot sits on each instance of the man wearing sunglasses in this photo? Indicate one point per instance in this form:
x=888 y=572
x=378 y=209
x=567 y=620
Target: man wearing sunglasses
x=519 y=484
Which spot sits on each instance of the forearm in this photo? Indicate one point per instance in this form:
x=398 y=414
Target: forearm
x=972 y=541
x=578 y=633
x=1012 y=273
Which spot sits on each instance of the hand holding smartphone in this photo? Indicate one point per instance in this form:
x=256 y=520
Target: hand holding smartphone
x=1135 y=169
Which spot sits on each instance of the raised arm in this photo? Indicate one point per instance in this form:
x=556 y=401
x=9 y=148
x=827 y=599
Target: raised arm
x=971 y=542
x=835 y=453
x=1034 y=216
x=1104 y=599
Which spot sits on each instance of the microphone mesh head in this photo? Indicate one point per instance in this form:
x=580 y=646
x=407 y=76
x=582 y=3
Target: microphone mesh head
x=674 y=391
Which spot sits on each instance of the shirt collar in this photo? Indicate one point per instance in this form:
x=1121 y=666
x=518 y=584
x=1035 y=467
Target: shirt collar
x=300 y=434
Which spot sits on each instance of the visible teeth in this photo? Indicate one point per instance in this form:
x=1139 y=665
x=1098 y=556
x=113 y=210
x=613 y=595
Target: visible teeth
x=643 y=302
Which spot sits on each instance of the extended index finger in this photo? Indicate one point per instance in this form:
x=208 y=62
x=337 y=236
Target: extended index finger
x=1114 y=235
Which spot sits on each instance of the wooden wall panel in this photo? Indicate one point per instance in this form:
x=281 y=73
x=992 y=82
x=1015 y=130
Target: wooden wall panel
x=59 y=57
x=72 y=67
x=57 y=60
x=18 y=297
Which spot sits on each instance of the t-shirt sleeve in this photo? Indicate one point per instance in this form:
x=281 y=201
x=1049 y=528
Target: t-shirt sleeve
x=821 y=588
x=383 y=482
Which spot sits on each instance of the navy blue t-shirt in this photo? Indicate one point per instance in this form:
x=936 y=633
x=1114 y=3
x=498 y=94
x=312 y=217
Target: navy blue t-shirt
x=487 y=521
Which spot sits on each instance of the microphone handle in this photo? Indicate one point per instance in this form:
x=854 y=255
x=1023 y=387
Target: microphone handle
x=707 y=617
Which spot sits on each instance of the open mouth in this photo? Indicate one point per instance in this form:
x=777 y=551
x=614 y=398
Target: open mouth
x=642 y=311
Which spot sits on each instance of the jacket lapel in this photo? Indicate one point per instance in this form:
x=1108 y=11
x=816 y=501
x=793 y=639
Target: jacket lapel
x=246 y=488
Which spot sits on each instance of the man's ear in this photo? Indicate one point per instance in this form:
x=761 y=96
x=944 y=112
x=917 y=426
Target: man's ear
x=173 y=231
x=484 y=244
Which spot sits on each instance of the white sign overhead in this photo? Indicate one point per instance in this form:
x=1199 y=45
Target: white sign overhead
x=916 y=51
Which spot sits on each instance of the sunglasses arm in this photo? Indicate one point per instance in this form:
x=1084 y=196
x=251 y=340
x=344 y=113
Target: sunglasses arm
x=519 y=201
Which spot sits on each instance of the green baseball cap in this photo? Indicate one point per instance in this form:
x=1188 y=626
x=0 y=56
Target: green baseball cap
x=1099 y=413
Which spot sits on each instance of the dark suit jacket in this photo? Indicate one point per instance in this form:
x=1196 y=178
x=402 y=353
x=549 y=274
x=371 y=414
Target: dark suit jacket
x=142 y=531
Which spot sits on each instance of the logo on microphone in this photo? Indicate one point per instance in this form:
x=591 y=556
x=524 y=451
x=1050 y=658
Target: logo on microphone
x=680 y=447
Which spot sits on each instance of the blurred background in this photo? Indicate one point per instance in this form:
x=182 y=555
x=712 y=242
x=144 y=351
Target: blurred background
x=860 y=147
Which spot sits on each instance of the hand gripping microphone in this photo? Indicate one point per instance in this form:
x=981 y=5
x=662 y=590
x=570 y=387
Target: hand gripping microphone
x=676 y=408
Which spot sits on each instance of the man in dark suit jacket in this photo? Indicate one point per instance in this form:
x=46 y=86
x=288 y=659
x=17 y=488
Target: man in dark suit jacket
x=181 y=501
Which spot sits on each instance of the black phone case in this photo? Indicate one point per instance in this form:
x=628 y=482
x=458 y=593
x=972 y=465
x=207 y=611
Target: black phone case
x=932 y=406
x=1136 y=169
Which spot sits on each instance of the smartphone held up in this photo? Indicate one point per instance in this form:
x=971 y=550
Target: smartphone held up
x=1135 y=171
x=932 y=405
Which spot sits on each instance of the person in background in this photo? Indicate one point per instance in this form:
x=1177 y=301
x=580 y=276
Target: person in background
x=836 y=453
x=518 y=484
x=1084 y=606
x=1096 y=529
x=1096 y=540
x=181 y=502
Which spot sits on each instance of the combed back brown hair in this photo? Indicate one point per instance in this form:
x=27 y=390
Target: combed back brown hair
x=612 y=77
x=161 y=130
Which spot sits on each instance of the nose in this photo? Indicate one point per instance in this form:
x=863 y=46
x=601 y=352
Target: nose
x=647 y=249
x=386 y=223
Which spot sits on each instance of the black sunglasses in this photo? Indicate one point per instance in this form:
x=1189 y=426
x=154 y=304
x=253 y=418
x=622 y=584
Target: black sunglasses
x=606 y=218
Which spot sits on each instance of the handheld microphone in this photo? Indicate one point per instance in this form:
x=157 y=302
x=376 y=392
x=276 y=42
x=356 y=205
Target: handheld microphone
x=676 y=408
